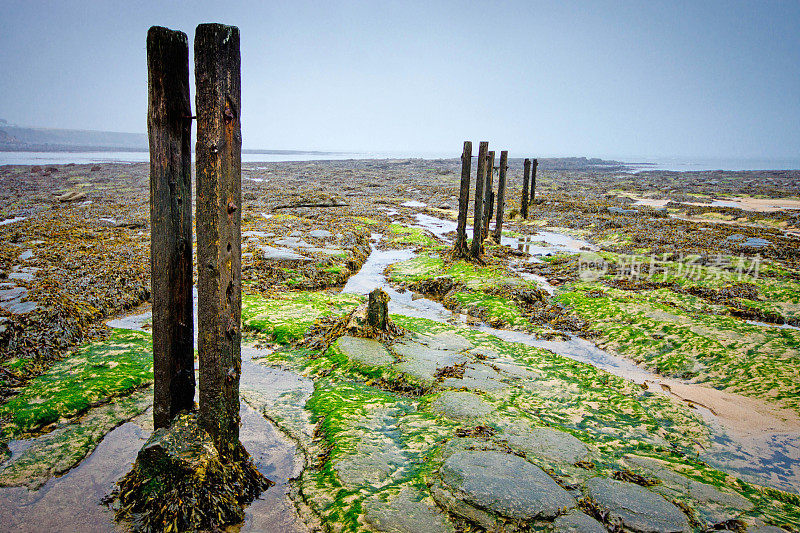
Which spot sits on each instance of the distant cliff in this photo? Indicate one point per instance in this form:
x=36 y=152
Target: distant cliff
x=15 y=138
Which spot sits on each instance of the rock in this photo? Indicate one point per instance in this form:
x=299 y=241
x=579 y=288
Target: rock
x=281 y=254
x=637 y=508
x=477 y=376
x=292 y=242
x=367 y=351
x=577 y=522
x=16 y=307
x=714 y=506
x=377 y=456
x=456 y=404
x=95 y=168
x=422 y=362
x=13 y=293
x=326 y=250
x=72 y=196
x=320 y=234
x=26 y=255
x=505 y=484
x=407 y=512
x=547 y=443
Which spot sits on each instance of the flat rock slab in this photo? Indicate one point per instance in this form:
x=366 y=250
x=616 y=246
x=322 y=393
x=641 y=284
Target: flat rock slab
x=422 y=361
x=281 y=254
x=457 y=404
x=477 y=376
x=407 y=512
x=326 y=251
x=636 y=507
x=367 y=351
x=714 y=505
x=505 y=484
x=547 y=443
x=320 y=234
x=577 y=522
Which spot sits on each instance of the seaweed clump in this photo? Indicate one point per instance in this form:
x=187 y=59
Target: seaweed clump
x=180 y=482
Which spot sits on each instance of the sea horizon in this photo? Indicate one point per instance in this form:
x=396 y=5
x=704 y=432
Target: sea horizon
x=635 y=164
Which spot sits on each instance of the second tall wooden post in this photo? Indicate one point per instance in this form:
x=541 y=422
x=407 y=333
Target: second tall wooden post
x=219 y=281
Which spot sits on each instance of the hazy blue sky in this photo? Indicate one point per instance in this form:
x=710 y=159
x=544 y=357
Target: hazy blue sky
x=646 y=78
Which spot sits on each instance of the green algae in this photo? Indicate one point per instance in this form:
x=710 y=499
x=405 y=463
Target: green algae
x=93 y=374
x=288 y=316
x=496 y=310
x=677 y=335
x=408 y=235
x=60 y=450
x=428 y=265
x=370 y=441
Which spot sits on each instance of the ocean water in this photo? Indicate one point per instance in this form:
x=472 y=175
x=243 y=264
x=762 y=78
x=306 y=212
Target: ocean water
x=63 y=158
x=636 y=163
x=700 y=164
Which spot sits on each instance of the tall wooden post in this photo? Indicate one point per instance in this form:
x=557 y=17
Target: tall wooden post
x=525 y=177
x=501 y=196
x=487 y=194
x=169 y=126
x=460 y=247
x=477 y=224
x=533 y=180
x=219 y=267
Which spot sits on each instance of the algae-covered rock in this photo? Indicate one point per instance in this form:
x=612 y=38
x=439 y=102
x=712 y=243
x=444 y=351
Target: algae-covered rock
x=547 y=443
x=505 y=484
x=455 y=404
x=407 y=512
x=181 y=483
x=367 y=351
x=635 y=507
x=577 y=522
x=422 y=362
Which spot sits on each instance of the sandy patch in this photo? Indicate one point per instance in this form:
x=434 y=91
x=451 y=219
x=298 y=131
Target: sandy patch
x=739 y=414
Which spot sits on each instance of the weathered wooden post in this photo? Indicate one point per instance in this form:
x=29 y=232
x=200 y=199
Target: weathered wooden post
x=533 y=180
x=487 y=194
x=501 y=196
x=219 y=281
x=525 y=177
x=477 y=225
x=460 y=246
x=169 y=126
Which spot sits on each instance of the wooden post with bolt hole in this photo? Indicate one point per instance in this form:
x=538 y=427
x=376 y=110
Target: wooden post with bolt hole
x=501 y=195
x=460 y=247
x=477 y=225
x=219 y=253
x=525 y=177
x=169 y=126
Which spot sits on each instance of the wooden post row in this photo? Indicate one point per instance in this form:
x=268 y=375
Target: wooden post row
x=218 y=153
x=169 y=131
